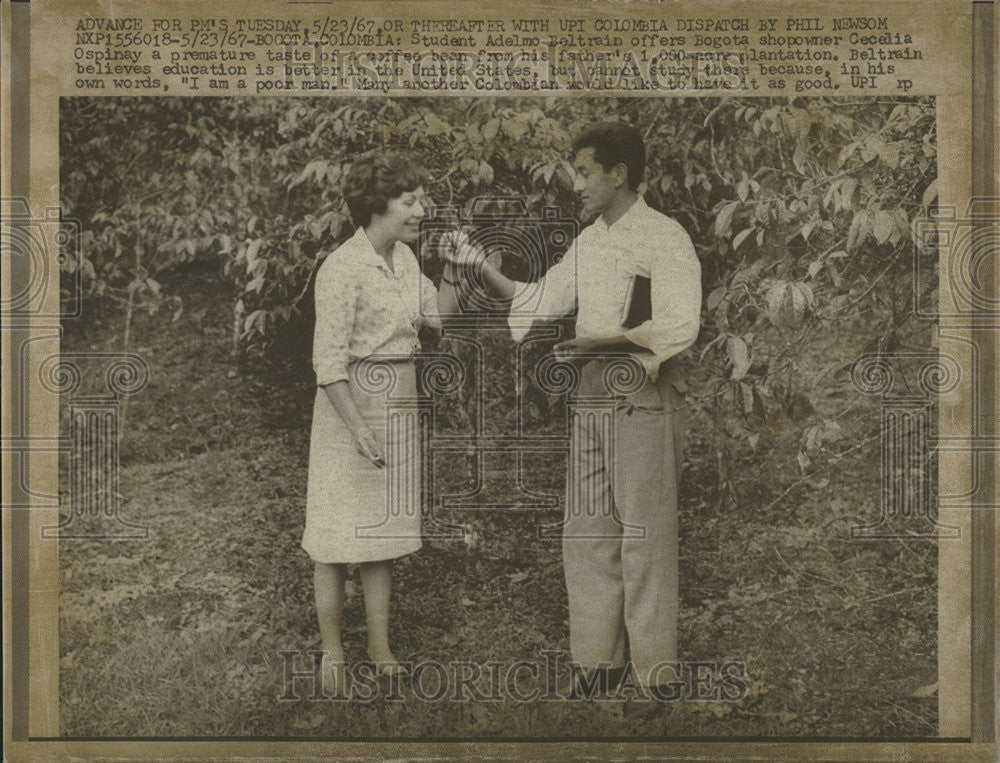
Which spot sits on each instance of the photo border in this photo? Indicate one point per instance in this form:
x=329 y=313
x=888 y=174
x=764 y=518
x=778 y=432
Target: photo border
x=22 y=573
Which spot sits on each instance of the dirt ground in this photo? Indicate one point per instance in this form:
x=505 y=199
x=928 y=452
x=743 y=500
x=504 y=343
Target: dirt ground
x=182 y=633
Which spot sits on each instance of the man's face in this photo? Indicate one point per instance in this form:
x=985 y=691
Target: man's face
x=597 y=187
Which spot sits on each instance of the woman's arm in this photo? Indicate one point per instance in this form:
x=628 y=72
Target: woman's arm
x=447 y=293
x=335 y=313
x=365 y=439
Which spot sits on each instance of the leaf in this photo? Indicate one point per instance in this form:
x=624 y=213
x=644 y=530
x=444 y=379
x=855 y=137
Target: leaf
x=743 y=188
x=882 y=226
x=799 y=157
x=741 y=237
x=709 y=346
x=256 y=318
x=774 y=297
x=485 y=173
x=252 y=251
x=926 y=691
x=515 y=128
x=845 y=153
x=889 y=153
x=813 y=437
x=435 y=125
x=716 y=297
x=859 y=230
x=738 y=353
x=803 y=460
x=469 y=167
x=832 y=431
x=490 y=129
x=804 y=120
x=793 y=306
x=308 y=170
x=725 y=218
x=806 y=292
x=929 y=195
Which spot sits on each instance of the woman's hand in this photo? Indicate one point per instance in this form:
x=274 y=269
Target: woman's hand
x=369 y=445
x=461 y=255
x=459 y=251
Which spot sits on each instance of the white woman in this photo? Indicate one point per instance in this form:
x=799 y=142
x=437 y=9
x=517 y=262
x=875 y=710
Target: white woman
x=371 y=300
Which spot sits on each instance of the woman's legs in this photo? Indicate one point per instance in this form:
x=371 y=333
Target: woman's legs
x=328 y=582
x=376 y=580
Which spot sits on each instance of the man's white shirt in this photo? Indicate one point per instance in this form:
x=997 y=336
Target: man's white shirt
x=596 y=272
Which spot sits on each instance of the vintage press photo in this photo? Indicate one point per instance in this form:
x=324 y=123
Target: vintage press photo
x=602 y=380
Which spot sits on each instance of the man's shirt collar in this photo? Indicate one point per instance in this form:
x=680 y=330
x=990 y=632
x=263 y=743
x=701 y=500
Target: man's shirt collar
x=628 y=220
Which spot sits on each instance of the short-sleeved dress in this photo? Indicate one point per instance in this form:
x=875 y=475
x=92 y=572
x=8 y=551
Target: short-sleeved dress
x=367 y=319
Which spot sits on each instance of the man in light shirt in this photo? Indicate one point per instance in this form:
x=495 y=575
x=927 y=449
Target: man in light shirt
x=620 y=535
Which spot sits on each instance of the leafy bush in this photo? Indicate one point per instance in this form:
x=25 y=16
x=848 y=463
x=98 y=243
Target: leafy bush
x=801 y=211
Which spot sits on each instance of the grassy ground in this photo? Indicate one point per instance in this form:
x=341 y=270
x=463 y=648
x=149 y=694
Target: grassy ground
x=181 y=633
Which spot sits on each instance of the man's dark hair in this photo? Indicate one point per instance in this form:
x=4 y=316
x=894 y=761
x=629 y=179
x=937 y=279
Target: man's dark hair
x=374 y=180
x=615 y=143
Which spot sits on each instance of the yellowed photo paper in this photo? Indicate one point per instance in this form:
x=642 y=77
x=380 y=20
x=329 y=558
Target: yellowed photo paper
x=518 y=380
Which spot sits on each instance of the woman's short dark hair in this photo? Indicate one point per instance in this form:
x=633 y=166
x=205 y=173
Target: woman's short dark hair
x=374 y=180
x=615 y=143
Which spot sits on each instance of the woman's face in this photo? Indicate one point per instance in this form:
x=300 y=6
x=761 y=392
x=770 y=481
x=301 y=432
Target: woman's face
x=402 y=216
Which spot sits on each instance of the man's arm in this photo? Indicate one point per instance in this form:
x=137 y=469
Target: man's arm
x=558 y=286
x=675 y=296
